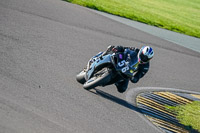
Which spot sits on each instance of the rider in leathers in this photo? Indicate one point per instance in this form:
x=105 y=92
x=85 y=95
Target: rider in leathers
x=144 y=55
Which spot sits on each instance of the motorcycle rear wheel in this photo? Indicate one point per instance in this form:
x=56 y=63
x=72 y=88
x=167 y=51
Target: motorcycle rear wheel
x=99 y=79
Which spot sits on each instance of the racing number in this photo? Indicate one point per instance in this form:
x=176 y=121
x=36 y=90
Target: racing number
x=125 y=69
x=122 y=63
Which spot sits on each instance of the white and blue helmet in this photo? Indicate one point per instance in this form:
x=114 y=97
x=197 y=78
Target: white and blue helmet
x=145 y=54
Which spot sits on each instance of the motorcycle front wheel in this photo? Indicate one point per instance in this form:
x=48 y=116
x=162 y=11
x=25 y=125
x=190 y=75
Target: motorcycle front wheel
x=100 y=78
x=81 y=77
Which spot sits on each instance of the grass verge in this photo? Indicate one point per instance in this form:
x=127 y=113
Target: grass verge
x=176 y=15
x=188 y=115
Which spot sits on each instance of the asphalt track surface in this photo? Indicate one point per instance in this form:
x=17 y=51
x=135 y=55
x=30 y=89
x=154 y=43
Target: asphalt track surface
x=45 y=43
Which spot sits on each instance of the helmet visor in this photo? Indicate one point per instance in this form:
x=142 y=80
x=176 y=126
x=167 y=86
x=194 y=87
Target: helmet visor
x=143 y=57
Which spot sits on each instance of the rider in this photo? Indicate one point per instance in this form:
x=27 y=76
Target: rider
x=145 y=54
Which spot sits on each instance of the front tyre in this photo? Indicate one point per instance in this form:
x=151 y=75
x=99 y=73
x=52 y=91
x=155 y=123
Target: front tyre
x=100 y=78
x=81 y=77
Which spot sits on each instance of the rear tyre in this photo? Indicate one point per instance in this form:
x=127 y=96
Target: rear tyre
x=99 y=79
x=81 y=77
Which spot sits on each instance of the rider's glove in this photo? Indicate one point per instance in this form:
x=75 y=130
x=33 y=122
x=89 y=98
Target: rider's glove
x=114 y=50
x=118 y=49
x=109 y=48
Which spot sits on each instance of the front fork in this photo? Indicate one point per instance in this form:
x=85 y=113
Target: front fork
x=93 y=59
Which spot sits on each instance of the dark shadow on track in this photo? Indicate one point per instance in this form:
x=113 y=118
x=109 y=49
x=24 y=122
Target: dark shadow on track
x=116 y=100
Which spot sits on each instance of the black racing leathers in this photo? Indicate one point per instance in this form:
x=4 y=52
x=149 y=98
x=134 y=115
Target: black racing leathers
x=142 y=68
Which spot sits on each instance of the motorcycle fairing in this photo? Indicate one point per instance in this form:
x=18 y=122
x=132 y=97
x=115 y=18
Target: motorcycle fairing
x=97 y=64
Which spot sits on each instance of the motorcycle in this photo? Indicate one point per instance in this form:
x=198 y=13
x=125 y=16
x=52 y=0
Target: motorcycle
x=108 y=69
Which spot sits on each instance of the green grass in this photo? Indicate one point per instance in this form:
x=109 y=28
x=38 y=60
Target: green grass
x=177 y=15
x=188 y=114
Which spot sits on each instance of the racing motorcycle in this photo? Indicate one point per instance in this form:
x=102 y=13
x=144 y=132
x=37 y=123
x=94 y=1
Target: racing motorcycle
x=107 y=70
